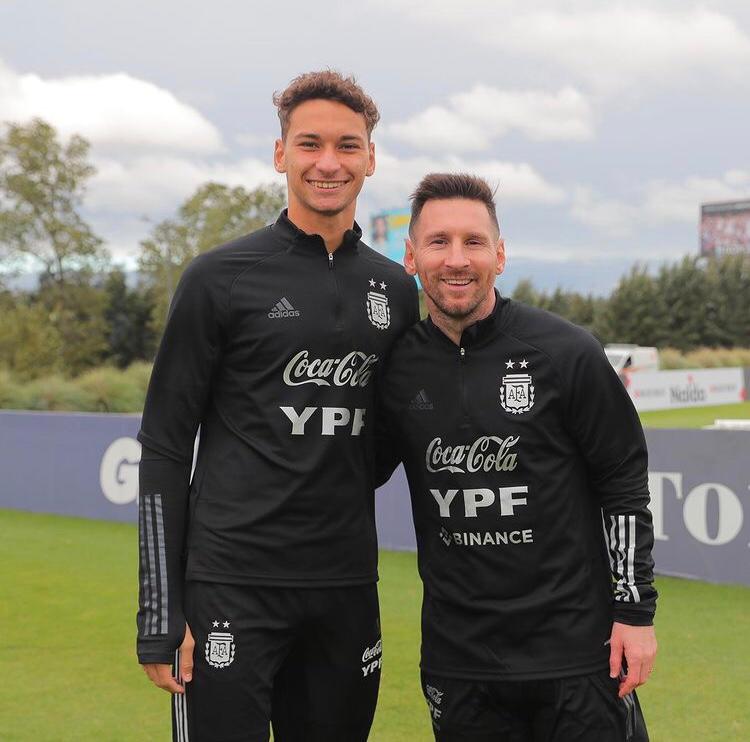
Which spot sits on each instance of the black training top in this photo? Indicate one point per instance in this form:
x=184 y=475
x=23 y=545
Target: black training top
x=522 y=449
x=271 y=347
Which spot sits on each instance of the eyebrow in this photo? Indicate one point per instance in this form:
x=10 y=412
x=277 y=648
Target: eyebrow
x=317 y=137
x=469 y=236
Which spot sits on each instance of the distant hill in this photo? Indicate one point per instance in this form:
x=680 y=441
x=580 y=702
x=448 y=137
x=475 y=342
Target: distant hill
x=30 y=281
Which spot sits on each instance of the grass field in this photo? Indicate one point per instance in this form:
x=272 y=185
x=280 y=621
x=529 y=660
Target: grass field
x=694 y=417
x=67 y=610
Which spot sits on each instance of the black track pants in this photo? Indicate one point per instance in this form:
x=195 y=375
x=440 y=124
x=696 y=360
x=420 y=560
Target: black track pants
x=583 y=708
x=306 y=660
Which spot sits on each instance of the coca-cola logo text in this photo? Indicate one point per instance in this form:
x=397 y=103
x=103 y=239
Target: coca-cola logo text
x=487 y=453
x=354 y=369
x=372 y=652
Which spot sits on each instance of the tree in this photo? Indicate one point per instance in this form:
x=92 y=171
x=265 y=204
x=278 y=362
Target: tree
x=728 y=280
x=526 y=292
x=30 y=346
x=635 y=312
x=128 y=314
x=214 y=214
x=683 y=292
x=76 y=310
x=42 y=183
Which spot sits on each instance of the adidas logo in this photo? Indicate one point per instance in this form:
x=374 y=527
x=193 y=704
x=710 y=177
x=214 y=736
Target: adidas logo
x=421 y=402
x=283 y=309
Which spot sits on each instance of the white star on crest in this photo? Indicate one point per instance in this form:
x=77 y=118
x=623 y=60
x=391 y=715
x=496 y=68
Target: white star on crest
x=509 y=364
x=524 y=363
x=372 y=282
x=215 y=624
x=382 y=285
x=226 y=624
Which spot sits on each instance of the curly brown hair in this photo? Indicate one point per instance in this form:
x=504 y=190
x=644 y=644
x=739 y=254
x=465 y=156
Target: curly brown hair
x=325 y=85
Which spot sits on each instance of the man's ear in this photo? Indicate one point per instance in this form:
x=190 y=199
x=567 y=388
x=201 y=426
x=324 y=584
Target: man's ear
x=409 y=263
x=279 y=156
x=371 y=163
x=500 y=265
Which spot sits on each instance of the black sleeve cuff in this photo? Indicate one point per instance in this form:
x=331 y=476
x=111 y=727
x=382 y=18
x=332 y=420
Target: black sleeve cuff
x=633 y=616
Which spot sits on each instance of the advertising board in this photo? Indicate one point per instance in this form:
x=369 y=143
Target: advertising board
x=659 y=390
x=725 y=228
x=87 y=465
x=388 y=232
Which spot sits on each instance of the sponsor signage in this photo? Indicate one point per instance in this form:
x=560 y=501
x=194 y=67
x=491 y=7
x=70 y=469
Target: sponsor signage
x=659 y=390
x=725 y=228
x=700 y=499
x=388 y=232
x=87 y=465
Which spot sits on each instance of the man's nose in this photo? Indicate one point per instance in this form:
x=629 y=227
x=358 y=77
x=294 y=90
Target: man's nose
x=457 y=257
x=328 y=162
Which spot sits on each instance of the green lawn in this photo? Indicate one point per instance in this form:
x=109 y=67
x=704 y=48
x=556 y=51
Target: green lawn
x=694 y=417
x=67 y=607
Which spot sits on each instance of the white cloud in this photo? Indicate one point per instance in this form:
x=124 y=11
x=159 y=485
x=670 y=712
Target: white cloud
x=477 y=116
x=438 y=128
x=680 y=202
x=111 y=110
x=252 y=140
x=661 y=202
x=152 y=184
x=565 y=115
x=395 y=178
x=609 y=46
x=612 y=217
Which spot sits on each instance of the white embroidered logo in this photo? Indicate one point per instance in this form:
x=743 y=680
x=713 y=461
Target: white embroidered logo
x=517 y=390
x=378 y=311
x=220 y=647
x=372 y=658
x=435 y=695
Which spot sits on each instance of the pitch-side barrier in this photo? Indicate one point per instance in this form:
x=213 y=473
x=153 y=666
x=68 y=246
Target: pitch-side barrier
x=87 y=465
x=661 y=390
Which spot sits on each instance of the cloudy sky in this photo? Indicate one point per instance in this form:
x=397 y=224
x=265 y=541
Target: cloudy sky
x=604 y=124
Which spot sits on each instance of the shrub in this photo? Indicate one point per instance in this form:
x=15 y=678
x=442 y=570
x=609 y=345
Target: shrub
x=99 y=390
x=671 y=358
x=111 y=390
x=52 y=393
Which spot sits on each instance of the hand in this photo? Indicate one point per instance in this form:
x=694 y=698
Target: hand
x=638 y=645
x=161 y=675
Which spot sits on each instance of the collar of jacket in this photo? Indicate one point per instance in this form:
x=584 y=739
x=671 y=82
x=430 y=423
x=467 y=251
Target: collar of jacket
x=480 y=331
x=285 y=228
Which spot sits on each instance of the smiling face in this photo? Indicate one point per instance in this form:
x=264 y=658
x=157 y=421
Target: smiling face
x=457 y=252
x=326 y=155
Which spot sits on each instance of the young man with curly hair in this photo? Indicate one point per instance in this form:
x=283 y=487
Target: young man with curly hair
x=257 y=578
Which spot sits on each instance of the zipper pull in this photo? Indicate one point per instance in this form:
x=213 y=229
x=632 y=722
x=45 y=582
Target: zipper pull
x=330 y=261
x=463 y=352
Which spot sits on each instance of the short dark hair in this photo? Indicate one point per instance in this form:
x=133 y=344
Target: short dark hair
x=452 y=185
x=325 y=85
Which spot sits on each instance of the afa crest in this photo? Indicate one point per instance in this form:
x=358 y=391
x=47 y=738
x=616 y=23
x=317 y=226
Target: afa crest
x=378 y=311
x=220 y=649
x=517 y=393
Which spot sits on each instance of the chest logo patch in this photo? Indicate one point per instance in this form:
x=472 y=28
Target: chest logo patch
x=378 y=311
x=517 y=389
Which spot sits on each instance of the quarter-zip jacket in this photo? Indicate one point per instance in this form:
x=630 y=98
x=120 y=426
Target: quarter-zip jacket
x=527 y=467
x=271 y=347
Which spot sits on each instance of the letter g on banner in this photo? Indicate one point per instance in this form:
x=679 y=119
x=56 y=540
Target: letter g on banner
x=118 y=472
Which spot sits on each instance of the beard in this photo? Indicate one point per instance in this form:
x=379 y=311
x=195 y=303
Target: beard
x=453 y=310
